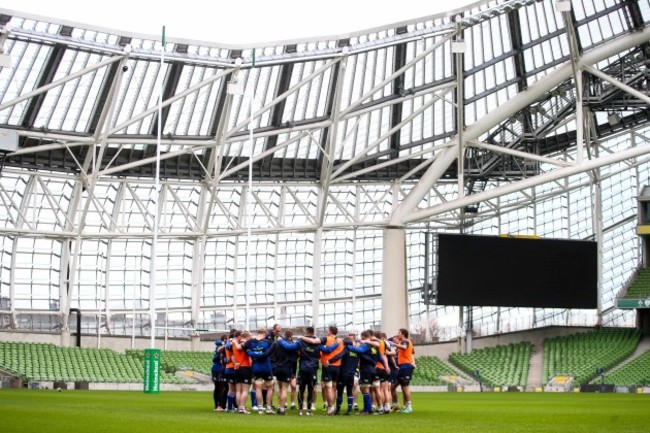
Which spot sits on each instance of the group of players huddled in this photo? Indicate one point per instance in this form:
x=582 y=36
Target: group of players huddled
x=372 y=363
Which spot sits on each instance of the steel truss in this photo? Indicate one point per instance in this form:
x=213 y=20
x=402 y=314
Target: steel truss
x=322 y=163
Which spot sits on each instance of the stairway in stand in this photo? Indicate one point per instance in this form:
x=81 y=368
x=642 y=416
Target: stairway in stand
x=643 y=346
x=536 y=367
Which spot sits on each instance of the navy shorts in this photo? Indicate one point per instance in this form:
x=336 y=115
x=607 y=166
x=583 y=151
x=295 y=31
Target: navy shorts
x=283 y=374
x=307 y=377
x=382 y=375
x=264 y=375
x=367 y=376
x=244 y=375
x=330 y=374
x=392 y=378
x=229 y=375
x=404 y=374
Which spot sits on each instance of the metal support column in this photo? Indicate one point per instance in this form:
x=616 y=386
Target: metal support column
x=394 y=312
x=316 y=277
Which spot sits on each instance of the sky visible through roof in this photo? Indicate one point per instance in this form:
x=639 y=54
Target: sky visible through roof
x=238 y=22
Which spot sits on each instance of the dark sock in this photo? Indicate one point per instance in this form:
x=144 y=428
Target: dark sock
x=367 y=403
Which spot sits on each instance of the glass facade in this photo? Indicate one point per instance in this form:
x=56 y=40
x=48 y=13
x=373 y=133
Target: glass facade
x=336 y=135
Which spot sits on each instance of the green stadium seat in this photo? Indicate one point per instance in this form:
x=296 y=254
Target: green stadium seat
x=580 y=355
x=498 y=366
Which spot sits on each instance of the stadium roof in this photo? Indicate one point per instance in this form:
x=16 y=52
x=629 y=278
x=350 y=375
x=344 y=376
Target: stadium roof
x=376 y=105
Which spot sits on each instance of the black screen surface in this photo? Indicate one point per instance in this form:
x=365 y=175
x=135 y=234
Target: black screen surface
x=513 y=272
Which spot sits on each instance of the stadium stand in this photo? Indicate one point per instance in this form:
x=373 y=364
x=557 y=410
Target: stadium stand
x=498 y=366
x=48 y=362
x=430 y=371
x=636 y=372
x=174 y=360
x=580 y=355
x=640 y=287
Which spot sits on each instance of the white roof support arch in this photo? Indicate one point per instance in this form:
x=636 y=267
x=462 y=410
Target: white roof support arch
x=406 y=211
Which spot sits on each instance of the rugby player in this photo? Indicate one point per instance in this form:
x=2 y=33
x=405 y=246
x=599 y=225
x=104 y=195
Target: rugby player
x=308 y=366
x=406 y=365
x=367 y=368
x=347 y=375
x=331 y=363
x=220 y=385
x=259 y=349
x=243 y=372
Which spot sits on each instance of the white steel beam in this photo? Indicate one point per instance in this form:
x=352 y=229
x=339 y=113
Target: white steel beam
x=624 y=87
x=151 y=160
x=61 y=81
x=282 y=97
x=115 y=216
x=24 y=204
x=397 y=73
x=517 y=153
x=56 y=207
x=198 y=266
x=69 y=257
x=198 y=86
x=405 y=211
x=374 y=107
x=301 y=205
x=341 y=168
x=262 y=155
x=459 y=58
x=577 y=77
x=329 y=152
x=101 y=134
x=48 y=147
x=316 y=277
x=192 y=221
x=9 y=203
x=559 y=173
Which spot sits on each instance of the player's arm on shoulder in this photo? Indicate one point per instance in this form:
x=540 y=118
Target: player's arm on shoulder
x=289 y=345
x=310 y=340
x=362 y=348
x=338 y=356
x=330 y=348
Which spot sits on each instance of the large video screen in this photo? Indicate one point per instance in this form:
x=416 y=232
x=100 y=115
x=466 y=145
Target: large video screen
x=516 y=272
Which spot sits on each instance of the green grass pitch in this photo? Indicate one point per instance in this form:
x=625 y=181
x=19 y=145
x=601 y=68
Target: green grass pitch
x=42 y=411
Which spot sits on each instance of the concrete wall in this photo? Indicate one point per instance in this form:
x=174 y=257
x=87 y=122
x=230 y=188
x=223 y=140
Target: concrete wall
x=28 y=337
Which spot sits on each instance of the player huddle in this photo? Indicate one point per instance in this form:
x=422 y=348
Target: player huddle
x=373 y=364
